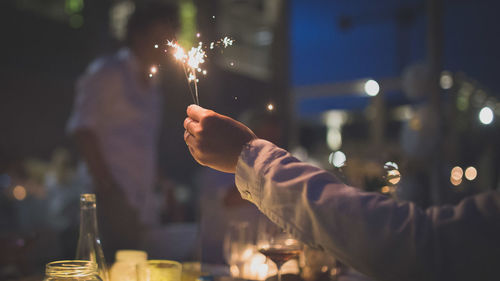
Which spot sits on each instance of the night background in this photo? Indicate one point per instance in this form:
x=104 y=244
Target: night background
x=349 y=86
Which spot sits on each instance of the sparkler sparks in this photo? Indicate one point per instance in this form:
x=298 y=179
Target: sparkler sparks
x=191 y=63
x=226 y=41
x=192 y=60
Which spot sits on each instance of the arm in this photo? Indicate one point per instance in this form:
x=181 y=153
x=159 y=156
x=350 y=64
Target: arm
x=372 y=233
x=360 y=229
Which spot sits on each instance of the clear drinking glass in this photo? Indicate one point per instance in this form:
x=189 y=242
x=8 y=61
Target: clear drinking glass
x=238 y=246
x=276 y=244
x=159 y=270
x=71 y=270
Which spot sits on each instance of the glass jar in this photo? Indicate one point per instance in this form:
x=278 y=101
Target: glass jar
x=71 y=270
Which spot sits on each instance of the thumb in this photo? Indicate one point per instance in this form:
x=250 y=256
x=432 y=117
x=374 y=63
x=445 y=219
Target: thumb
x=195 y=112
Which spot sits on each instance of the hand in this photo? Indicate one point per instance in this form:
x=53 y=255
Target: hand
x=215 y=140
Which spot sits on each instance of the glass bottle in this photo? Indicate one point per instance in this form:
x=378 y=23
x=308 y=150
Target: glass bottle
x=71 y=270
x=89 y=245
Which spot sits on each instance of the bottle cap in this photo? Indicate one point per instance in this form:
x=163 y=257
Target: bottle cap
x=131 y=255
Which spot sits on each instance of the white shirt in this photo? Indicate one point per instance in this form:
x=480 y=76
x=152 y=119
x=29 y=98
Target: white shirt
x=126 y=117
x=374 y=234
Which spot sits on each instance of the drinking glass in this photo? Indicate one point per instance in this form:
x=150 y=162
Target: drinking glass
x=159 y=270
x=238 y=246
x=276 y=244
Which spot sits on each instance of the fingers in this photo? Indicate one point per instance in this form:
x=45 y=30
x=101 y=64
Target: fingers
x=192 y=144
x=189 y=139
x=192 y=126
x=195 y=112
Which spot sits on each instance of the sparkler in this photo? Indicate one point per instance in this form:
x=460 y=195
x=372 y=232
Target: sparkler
x=192 y=60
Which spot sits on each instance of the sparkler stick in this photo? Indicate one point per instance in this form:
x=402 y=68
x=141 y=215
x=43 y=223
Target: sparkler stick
x=189 y=85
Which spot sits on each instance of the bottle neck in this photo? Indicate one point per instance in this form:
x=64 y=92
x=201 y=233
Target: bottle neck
x=88 y=215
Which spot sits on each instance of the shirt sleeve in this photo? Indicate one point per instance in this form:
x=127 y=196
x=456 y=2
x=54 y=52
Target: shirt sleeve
x=93 y=91
x=374 y=234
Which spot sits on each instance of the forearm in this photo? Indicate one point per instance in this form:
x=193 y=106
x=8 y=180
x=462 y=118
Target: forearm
x=361 y=229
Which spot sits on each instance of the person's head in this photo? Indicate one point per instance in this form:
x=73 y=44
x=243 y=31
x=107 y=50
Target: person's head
x=151 y=24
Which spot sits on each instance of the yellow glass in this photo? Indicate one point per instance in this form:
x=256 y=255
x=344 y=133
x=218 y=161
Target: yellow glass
x=191 y=271
x=159 y=270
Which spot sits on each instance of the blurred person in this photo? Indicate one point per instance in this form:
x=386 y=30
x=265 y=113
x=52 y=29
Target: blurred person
x=382 y=238
x=116 y=123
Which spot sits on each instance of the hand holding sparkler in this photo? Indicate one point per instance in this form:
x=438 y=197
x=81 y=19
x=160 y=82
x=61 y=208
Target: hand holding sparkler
x=215 y=140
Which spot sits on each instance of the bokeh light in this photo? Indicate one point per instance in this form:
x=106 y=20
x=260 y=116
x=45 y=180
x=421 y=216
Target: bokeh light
x=270 y=107
x=391 y=165
x=337 y=159
x=19 y=192
x=372 y=88
x=470 y=173
x=334 y=138
x=486 y=115
x=394 y=176
x=455 y=182
x=446 y=80
x=457 y=173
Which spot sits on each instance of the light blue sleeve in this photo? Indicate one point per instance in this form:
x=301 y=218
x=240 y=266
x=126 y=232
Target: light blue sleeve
x=374 y=234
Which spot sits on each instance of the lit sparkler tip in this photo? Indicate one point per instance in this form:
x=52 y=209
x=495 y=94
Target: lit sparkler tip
x=153 y=69
x=150 y=75
x=270 y=107
x=156 y=46
x=213 y=17
x=192 y=59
